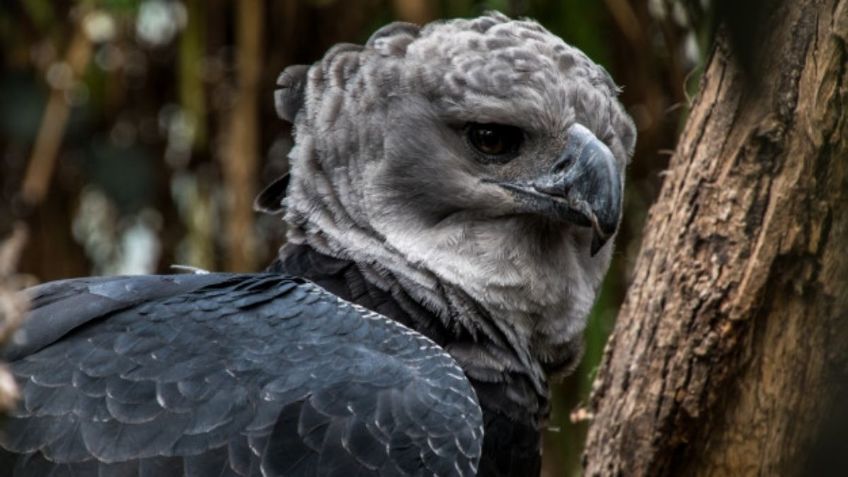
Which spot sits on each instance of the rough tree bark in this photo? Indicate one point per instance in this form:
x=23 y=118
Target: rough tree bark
x=735 y=322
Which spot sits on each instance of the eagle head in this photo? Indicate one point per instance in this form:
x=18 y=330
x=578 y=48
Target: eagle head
x=484 y=154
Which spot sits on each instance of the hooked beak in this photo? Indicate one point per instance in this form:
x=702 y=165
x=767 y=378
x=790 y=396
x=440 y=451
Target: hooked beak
x=583 y=187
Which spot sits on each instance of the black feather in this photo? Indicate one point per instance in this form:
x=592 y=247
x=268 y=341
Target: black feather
x=228 y=375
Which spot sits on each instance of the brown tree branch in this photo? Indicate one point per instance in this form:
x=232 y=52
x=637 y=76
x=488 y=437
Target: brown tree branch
x=13 y=306
x=241 y=153
x=54 y=121
x=415 y=11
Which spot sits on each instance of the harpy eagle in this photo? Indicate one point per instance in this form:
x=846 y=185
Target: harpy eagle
x=452 y=196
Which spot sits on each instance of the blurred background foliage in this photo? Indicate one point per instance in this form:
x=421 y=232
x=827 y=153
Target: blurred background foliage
x=135 y=133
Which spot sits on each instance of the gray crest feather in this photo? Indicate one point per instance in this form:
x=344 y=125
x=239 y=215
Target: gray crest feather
x=288 y=99
x=392 y=39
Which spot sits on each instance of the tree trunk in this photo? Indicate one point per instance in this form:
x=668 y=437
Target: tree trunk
x=736 y=321
x=241 y=152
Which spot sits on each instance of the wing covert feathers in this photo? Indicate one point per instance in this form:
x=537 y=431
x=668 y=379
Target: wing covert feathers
x=231 y=375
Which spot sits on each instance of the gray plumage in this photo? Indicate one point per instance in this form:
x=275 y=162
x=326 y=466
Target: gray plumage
x=381 y=176
x=462 y=180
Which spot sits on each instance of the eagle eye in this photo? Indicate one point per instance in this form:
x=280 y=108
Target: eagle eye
x=494 y=140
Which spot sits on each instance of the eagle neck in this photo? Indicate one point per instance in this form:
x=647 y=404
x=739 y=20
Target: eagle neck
x=487 y=352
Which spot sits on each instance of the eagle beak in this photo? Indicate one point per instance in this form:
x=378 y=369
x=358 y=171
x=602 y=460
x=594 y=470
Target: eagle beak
x=586 y=181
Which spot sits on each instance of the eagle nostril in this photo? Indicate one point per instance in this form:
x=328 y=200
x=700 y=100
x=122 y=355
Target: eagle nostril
x=562 y=165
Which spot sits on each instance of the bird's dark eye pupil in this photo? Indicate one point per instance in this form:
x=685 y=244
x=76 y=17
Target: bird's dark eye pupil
x=494 y=139
x=489 y=141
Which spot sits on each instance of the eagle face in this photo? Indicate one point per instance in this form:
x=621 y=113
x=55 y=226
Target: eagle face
x=511 y=121
x=486 y=152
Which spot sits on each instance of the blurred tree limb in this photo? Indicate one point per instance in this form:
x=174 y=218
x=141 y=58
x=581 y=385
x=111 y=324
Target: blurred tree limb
x=55 y=119
x=729 y=348
x=625 y=18
x=13 y=305
x=241 y=151
x=191 y=86
x=415 y=11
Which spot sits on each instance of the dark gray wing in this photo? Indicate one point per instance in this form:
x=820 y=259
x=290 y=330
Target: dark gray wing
x=236 y=375
x=61 y=306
